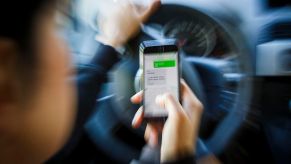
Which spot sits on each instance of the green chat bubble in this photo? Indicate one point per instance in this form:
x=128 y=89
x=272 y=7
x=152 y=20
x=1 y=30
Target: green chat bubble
x=164 y=63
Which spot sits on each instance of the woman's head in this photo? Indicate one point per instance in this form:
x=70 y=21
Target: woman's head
x=37 y=100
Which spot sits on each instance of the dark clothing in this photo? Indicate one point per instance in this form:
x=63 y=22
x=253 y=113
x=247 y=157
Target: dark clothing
x=151 y=155
x=89 y=80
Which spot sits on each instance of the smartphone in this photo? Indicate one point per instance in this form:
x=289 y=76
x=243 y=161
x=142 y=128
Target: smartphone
x=161 y=74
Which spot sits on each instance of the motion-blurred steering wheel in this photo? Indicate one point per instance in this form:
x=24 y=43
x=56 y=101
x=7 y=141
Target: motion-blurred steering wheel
x=216 y=64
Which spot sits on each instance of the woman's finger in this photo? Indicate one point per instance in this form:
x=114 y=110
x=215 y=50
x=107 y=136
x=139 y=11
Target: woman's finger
x=138 y=118
x=151 y=135
x=150 y=10
x=186 y=91
x=137 y=98
x=170 y=103
x=193 y=107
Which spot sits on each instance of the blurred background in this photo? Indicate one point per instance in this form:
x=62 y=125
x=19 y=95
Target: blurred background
x=236 y=56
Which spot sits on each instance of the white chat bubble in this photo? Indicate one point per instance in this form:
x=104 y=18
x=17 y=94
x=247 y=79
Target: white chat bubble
x=156 y=76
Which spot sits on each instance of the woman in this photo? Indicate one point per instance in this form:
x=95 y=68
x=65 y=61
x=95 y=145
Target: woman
x=37 y=101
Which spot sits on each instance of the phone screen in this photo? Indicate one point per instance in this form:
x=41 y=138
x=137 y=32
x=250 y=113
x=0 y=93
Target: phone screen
x=161 y=75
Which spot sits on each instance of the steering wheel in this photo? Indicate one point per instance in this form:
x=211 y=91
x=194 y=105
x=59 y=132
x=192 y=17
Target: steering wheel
x=218 y=71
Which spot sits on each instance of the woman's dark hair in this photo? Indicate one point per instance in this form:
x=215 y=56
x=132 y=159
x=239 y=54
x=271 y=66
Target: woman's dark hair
x=18 y=23
x=18 y=18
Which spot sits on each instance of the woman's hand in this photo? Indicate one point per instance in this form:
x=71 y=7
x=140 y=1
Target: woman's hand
x=123 y=21
x=180 y=131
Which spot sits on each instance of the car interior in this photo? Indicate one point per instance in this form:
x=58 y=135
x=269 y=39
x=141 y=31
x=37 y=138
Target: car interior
x=235 y=56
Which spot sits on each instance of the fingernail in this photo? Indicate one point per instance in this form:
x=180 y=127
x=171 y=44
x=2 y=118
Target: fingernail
x=136 y=116
x=133 y=122
x=131 y=99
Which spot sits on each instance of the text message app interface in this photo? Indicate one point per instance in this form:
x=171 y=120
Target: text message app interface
x=161 y=76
